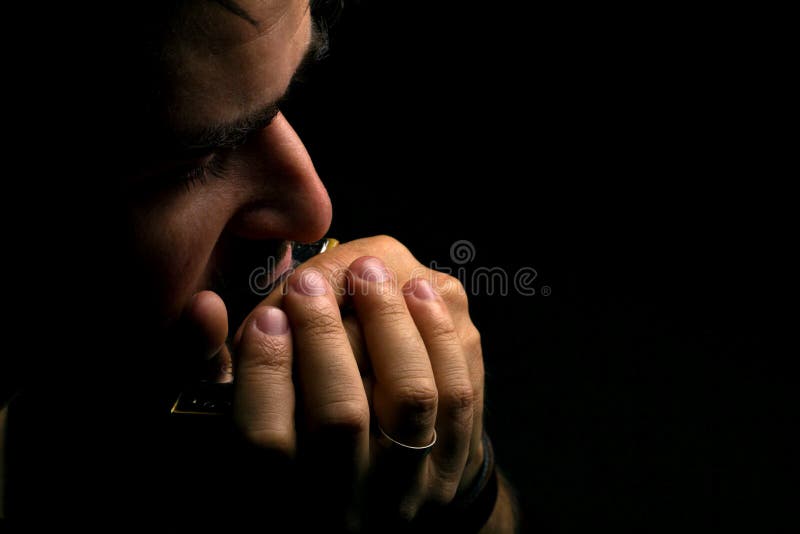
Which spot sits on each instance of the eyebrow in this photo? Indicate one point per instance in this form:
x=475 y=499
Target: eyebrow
x=235 y=133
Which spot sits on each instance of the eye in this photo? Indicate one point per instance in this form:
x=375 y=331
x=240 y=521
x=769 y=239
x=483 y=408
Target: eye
x=199 y=173
x=171 y=175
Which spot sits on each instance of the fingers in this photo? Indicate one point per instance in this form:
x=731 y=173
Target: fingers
x=455 y=296
x=264 y=397
x=334 y=264
x=423 y=380
x=327 y=372
x=405 y=396
x=356 y=337
x=264 y=416
x=335 y=412
x=415 y=351
x=456 y=397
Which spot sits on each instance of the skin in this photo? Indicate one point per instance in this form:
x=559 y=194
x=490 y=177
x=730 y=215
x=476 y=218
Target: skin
x=362 y=334
x=270 y=190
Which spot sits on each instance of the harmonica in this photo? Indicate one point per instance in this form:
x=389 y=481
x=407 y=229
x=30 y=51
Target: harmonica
x=210 y=398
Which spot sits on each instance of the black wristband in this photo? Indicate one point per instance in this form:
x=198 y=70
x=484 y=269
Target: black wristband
x=470 y=510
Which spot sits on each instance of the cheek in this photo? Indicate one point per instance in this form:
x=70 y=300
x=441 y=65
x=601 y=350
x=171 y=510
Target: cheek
x=175 y=244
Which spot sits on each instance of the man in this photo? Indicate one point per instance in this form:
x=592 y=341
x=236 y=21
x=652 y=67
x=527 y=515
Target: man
x=357 y=388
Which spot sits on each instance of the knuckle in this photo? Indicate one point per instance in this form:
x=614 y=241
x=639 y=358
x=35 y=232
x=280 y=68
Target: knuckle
x=472 y=339
x=443 y=328
x=349 y=417
x=391 y=309
x=323 y=324
x=279 y=441
x=329 y=264
x=269 y=354
x=452 y=291
x=459 y=401
x=387 y=242
x=419 y=399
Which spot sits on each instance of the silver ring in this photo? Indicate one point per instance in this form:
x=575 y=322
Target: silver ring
x=387 y=441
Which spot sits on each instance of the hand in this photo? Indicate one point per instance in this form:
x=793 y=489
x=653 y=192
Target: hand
x=299 y=391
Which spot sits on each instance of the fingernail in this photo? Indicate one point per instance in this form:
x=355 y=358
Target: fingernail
x=421 y=289
x=310 y=283
x=272 y=321
x=370 y=269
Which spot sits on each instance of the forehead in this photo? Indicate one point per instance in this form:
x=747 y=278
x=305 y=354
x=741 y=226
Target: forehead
x=219 y=66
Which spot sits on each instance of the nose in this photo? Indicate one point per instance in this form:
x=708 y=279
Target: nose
x=282 y=194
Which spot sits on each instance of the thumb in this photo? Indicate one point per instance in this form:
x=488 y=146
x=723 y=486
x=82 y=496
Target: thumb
x=206 y=329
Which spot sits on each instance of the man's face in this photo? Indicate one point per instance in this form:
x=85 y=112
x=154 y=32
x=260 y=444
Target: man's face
x=239 y=183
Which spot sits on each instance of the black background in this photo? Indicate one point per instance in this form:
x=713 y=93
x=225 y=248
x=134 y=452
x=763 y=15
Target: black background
x=631 y=155
x=620 y=153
